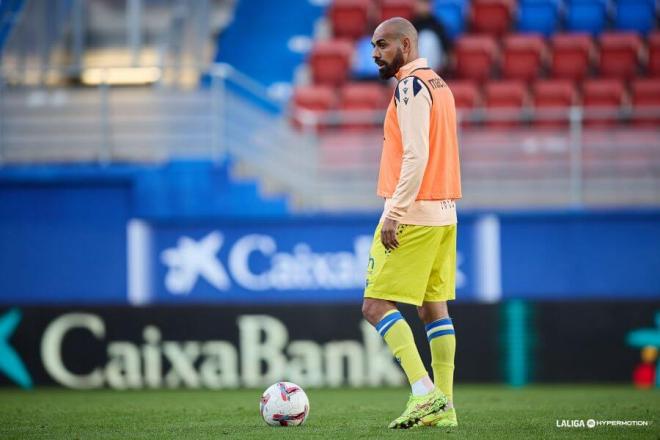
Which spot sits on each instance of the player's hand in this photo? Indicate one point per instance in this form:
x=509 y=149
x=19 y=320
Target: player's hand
x=388 y=234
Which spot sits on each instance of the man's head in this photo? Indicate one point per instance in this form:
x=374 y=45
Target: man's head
x=395 y=44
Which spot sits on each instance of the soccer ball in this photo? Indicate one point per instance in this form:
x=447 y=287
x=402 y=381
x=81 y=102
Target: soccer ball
x=284 y=404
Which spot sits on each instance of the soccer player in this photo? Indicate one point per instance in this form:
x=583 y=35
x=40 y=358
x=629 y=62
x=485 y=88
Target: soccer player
x=413 y=254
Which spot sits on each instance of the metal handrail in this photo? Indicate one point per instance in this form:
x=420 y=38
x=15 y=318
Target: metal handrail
x=577 y=114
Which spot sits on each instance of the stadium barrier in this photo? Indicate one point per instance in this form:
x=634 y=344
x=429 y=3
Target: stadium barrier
x=111 y=243
x=314 y=346
x=510 y=157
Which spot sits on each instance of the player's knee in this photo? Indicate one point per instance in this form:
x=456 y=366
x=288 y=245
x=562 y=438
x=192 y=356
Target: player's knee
x=423 y=314
x=368 y=311
x=372 y=311
x=430 y=312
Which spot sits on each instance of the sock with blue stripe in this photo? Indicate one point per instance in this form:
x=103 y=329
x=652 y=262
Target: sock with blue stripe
x=442 y=340
x=399 y=338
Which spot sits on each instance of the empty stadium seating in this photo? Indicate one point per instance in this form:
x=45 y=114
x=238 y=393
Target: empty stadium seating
x=635 y=15
x=646 y=101
x=522 y=56
x=452 y=14
x=505 y=99
x=654 y=54
x=466 y=97
x=492 y=16
x=538 y=16
x=349 y=18
x=586 y=16
x=466 y=94
x=551 y=96
x=362 y=96
x=330 y=62
x=571 y=56
x=475 y=56
x=601 y=99
x=316 y=99
x=619 y=55
x=397 y=8
x=565 y=53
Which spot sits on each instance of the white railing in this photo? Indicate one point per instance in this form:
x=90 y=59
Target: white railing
x=234 y=116
x=571 y=157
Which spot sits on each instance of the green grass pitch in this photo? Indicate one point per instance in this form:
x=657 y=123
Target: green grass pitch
x=485 y=411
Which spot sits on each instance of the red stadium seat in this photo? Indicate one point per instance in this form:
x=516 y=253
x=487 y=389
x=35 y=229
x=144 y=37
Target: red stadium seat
x=362 y=96
x=492 y=16
x=330 y=62
x=654 y=54
x=571 y=56
x=619 y=54
x=522 y=56
x=316 y=99
x=466 y=97
x=349 y=18
x=397 y=8
x=605 y=95
x=553 y=94
x=505 y=98
x=475 y=57
x=646 y=101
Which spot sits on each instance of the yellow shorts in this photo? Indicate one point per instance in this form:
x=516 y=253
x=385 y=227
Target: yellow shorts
x=422 y=268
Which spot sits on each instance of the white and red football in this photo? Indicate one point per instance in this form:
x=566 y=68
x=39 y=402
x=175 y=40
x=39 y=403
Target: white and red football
x=284 y=404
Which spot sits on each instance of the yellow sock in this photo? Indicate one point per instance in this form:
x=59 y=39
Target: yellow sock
x=442 y=340
x=399 y=338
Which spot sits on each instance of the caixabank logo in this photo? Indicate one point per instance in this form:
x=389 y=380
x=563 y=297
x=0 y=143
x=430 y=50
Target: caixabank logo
x=308 y=261
x=194 y=347
x=11 y=364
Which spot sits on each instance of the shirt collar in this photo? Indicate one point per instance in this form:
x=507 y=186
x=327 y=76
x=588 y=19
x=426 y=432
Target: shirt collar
x=413 y=65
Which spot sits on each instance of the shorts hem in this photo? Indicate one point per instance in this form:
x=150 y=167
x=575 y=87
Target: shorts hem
x=439 y=300
x=394 y=298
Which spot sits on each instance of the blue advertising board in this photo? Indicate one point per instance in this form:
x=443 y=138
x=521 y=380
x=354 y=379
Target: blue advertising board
x=63 y=246
x=310 y=260
x=85 y=241
x=579 y=256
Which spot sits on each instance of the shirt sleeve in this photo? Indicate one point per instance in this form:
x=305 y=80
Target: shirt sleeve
x=414 y=114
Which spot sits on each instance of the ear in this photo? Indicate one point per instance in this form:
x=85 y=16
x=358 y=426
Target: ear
x=405 y=44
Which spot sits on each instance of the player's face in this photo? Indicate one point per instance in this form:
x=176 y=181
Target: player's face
x=387 y=53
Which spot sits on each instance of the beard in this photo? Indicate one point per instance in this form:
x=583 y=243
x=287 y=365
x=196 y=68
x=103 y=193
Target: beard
x=388 y=70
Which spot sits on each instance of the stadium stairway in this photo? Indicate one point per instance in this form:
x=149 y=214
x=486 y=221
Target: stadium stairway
x=268 y=40
x=9 y=10
x=170 y=191
x=159 y=125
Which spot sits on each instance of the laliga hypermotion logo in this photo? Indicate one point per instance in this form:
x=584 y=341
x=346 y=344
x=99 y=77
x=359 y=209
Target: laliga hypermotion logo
x=11 y=364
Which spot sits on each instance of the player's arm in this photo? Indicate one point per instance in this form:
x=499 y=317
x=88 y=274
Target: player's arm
x=414 y=114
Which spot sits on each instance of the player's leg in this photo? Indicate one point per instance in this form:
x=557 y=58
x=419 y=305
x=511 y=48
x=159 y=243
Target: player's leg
x=400 y=276
x=439 y=327
x=442 y=341
x=398 y=336
x=425 y=399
